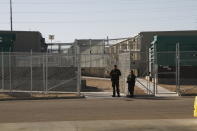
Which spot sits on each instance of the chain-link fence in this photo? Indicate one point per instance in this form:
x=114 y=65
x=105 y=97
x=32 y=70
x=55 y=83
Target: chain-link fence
x=164 y=68
x=176 y=71
x=187 y=72
x=39 y=72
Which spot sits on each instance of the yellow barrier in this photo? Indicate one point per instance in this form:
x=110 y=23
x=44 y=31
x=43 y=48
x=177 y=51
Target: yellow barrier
x=195 y=107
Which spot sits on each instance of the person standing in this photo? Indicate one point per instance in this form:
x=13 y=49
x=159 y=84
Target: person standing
x=115 y=74
x=131 y=83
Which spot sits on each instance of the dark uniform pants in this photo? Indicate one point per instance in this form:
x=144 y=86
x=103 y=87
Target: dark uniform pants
x=115 y=85
x=131 y=88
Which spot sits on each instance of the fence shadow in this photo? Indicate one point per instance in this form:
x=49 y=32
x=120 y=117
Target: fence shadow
x=91 y=89
x=18 y=94
x=152 y=97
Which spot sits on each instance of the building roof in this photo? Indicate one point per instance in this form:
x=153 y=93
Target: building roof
x=174 y=31
x=8 y=31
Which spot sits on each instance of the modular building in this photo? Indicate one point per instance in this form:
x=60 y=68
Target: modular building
x=167 y=51
x=6 y=42
x=22 y=41
x=141 y=43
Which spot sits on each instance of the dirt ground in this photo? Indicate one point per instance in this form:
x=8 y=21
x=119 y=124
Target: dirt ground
x=105 y=85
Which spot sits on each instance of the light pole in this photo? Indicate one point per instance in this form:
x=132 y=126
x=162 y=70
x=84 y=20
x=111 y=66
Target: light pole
x=11 y=15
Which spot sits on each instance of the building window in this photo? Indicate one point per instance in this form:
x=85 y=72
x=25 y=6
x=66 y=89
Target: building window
x=1 y=39
x=114 y=49
x=135 y=56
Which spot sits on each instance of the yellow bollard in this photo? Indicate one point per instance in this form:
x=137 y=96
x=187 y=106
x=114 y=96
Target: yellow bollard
x=195 y=107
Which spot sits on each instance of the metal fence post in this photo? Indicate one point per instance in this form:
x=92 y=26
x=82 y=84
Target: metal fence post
x=147 y=80
x=31 y=62
x=103 y=55
x=178 y=68
x=130 y=58
x=75 y=53
x=10 y=71
x=155 y=91
x=90 y=53
x=46 y=90
x=2 y=69
x=78 y=70
x=43 y=67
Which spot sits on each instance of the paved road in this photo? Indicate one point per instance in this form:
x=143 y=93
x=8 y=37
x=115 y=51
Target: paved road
x=96 y=109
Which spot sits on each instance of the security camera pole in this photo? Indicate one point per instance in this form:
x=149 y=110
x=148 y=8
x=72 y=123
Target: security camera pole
x=11 y=15
x=51 y=37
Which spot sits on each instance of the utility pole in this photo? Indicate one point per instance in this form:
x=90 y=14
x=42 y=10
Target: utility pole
x=11 y=26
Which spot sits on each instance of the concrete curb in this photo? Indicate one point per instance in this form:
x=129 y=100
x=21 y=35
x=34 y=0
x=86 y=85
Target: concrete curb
x=42 y=98
x=108 y=125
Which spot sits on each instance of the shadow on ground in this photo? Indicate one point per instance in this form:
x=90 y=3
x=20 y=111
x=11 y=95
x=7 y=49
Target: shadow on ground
x=36 y=96
x=91 y=89
x=18 y=94
x=152 y=97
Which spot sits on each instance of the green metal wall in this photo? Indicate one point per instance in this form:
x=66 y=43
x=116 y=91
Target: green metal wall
x=165 y=49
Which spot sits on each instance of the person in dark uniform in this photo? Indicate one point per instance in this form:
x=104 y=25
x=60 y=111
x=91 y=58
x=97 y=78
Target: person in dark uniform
x=115 y=74
x=131 y=83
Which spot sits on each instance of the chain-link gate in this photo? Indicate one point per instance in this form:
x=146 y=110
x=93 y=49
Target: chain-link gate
x=98 y=59
x=131 y=60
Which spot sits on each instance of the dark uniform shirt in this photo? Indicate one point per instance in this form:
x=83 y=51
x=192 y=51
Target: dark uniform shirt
x=131 y=79
x=115 y=74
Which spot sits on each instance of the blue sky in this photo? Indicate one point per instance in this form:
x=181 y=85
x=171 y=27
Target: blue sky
x=77 y=19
